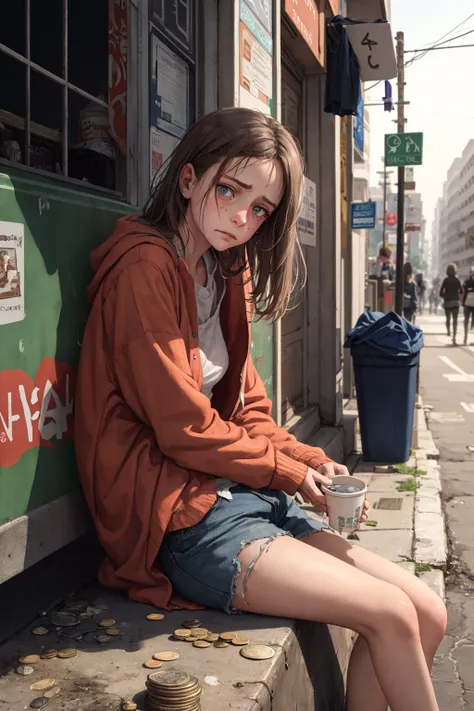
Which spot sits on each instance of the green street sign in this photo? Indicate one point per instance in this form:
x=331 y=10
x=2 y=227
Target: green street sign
x=403 y=149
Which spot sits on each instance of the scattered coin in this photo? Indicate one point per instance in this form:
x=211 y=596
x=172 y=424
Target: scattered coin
x=240 y=641
x=51 y=693
x=29 y=659
x=153 y=616
x=67 y=653
x=198 y=631
x=257 y=652
x=129 y=706
x=190 y=639
x=103 y=639
x=43 y=685
x=113 y=631
x=153 y=664
x=228 y=636
x=39 y=703
x=212 y=637
x=201 y=643
x=49 y=654
x=24 y=670
x=221 y=644
x=64 y=619
x=40 y=630
x=182 y=634
x=191 y=623
x=107 y=622
x=166 y=656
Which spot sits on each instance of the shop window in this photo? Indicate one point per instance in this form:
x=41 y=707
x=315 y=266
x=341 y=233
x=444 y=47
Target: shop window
x=63 y=88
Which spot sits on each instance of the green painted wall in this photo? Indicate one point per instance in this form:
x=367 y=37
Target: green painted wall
x=62 y=226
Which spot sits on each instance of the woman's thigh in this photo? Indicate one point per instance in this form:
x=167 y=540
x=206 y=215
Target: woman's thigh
x=296 y=580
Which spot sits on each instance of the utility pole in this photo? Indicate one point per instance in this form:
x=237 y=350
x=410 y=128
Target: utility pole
x=401 y=176
x=383 y=173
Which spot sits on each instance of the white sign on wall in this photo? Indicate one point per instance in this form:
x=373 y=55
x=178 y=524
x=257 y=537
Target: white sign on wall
x=12 y=272
x=307 y=220
x=372 y=43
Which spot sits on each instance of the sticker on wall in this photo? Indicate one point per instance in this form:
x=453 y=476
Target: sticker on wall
x=306 y=225
x=256 y=66
x=169 y=90
x=12 y=272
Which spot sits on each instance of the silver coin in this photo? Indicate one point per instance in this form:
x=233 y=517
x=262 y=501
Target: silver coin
x=64 y=619
x=39 y=703
x=24 y=670
x=103 y=639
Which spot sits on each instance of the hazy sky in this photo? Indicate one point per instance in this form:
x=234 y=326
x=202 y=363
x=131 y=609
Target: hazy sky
x=440 y=88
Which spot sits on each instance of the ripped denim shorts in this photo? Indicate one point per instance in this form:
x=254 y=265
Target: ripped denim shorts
x=202 y=562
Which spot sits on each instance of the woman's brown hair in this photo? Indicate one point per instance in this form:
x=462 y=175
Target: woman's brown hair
x=451 y=270
x=220 y=138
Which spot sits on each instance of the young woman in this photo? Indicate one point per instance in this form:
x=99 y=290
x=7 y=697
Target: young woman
x=186 y=474
x=409 y=293
x=451 y=292
x=468 y=303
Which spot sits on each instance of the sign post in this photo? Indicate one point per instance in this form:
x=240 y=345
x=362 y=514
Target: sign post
x=363 y=215
x=403 y=149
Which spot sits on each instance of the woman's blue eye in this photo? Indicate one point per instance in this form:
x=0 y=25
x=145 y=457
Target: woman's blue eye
x=260 y=211
x=225 y=191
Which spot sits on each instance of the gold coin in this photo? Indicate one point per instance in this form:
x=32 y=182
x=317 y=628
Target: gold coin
x=153 y=664
x=212 y=637
x=199 y=631
x=227 y=636
x=153 y=616
x=190 y=639
x=129 y=706
x=107 y=622
x=240 y=641
x=182 y=634
x=201 y=643
x=112 y=631
x=49 y=654
x=29 y=659
x=257 y=652
x=190 y=624
x=166 y=656
x=40 y=630
x=52 y=692
x=43 y=685
x=67 y=653
x=221 y=644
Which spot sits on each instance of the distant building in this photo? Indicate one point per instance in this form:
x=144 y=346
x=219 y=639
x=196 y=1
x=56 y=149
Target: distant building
x=453 y=232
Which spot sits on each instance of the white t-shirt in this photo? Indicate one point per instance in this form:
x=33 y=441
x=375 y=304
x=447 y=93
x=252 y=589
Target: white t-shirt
x=213 y=349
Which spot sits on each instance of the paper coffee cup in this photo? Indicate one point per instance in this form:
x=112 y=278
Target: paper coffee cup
x=345 y=510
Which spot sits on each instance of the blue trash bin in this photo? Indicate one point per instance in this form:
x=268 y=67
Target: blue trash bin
x=385 y=349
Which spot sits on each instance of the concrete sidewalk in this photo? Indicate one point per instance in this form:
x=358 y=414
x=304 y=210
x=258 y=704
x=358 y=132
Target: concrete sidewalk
x=307 y=671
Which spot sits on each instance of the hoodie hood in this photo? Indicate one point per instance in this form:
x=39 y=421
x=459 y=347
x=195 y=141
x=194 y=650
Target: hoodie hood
x=129 y=232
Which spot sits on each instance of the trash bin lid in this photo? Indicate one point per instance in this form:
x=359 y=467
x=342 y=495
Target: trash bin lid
x=386 y=333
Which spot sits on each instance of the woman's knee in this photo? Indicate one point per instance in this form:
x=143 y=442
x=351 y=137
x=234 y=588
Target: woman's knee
x=392 y=612
x=432 y=616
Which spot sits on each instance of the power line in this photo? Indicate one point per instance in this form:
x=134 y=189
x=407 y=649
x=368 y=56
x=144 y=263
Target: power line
x=431 y=44
x=434 y=49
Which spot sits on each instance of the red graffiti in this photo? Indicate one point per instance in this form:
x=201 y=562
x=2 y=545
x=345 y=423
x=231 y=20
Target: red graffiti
x=35 y=413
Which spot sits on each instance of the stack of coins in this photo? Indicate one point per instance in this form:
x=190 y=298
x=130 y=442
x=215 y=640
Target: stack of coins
x=173 y=690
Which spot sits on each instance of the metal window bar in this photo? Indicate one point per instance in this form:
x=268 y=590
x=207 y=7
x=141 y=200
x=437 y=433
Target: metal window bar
x=62 y=81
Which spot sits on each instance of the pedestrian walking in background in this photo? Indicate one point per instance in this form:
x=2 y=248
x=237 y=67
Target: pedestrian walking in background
x=451 y=292
x=385 y=266
x=409 y=293
x=434 y=297
x=468 y=303
x=421 y=292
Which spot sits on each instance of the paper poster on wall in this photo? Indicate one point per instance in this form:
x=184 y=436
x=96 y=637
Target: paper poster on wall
x=161 y=147
x=256 y=82
x=169 y=105
x=307 y=220
x=12 y=272
x=262 y=9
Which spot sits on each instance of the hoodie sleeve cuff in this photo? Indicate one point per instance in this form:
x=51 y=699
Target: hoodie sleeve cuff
x=289 y=474
x=311 y=456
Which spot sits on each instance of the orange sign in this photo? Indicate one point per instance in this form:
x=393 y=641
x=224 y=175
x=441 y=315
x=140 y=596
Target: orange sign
x=309 y=22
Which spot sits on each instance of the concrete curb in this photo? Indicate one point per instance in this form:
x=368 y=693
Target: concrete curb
x=430 y=541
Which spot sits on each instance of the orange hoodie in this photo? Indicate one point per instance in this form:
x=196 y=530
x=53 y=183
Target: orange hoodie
x=149 y=444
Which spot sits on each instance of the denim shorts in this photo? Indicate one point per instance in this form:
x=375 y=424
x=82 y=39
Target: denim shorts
x=202 y=561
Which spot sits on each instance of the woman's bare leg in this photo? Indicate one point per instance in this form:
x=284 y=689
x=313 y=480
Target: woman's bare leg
x=292 y=579
x=362 y=681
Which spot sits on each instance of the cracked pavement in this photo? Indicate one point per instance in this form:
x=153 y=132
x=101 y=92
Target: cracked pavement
x=453 y=671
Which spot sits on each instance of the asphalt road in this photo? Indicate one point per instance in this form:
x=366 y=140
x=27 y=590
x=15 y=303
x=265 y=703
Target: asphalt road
x=447 y=386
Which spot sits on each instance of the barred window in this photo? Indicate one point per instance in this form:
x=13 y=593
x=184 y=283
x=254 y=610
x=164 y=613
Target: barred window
x=63 y=85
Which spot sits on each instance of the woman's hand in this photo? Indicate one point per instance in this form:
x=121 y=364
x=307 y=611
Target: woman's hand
x=323 y=475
